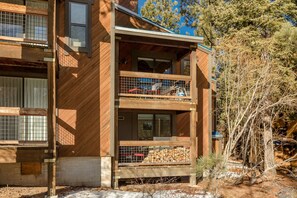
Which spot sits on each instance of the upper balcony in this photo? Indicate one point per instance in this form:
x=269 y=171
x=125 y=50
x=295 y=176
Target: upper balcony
x=143 y=85
x=155 y=73
x=23 y=29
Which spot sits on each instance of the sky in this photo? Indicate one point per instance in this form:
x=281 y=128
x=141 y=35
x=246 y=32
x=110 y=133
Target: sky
x=183 y=30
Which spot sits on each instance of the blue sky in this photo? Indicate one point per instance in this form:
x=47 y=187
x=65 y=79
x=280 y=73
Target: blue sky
x=183 y=30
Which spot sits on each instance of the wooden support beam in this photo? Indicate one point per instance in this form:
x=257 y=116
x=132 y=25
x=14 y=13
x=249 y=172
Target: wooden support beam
x=16 y=111
x=193 y=116
x=155 y=96
x=155 y=75
x=152 y=41
x=162 y=171
x=22 y=9
x=126 y=103
x=8 y=38
x=155 y=143
x=116 y=110
x=193 y=72
x=17 y=154
x=52 y=100
x=26 y=53
x=193 y=146
x=154 y=164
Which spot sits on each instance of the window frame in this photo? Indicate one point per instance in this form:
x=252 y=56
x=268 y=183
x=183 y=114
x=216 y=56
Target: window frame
x=154 y=124
x=23 y=78
x=87 y=49
x=155 y=66
x=153 y=55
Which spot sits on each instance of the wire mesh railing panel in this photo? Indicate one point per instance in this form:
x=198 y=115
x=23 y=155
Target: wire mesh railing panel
x=31 y=27
x=11 y=24
x=155 y=155
x=36 y=28
x=23 y=128
x=153 y=87
x=9 y=127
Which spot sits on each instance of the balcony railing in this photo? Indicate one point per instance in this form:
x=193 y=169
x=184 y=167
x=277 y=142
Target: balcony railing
x=22 y=23
x=154 y=86
x=146 y=153
x=19 y=125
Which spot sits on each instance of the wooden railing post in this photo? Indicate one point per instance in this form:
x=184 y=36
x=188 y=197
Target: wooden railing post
x=193 y=116
x=193 y=146
x=52 y=99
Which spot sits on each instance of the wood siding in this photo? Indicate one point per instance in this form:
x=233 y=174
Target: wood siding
x=125 y=20
x=204 y=103
x=183 y=124
x=83 y=96
x=22 y=52
x=14 y=154
x=130 y=4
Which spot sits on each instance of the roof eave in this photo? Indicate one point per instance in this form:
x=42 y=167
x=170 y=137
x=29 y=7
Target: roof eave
x=158 y=35
x=133 y=14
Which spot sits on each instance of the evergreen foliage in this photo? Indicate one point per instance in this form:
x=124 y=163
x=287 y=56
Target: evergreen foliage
x=163 y=12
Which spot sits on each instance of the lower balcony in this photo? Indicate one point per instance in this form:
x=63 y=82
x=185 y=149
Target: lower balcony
x=155 y=143
x=159 y=158
x=147 y=153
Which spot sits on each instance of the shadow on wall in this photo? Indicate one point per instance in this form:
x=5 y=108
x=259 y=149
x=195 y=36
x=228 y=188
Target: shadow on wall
x=83 y=88
x=203 y=105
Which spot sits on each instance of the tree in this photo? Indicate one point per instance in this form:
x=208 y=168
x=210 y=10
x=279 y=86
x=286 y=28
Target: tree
x=255 y=48
x=163 y=12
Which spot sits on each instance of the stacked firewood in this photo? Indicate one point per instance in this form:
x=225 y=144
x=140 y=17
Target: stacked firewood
x=168 y=155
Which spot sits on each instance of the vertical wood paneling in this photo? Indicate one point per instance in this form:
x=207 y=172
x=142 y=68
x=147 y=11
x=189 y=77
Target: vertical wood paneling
x=183 y=124
x=126 y=20
x=130 y=4
x=204 y=103
x=83 y=88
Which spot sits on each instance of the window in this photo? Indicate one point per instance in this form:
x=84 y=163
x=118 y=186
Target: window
x=27 y=93
x=154 y=125
x=151 y=65
x=78 y=25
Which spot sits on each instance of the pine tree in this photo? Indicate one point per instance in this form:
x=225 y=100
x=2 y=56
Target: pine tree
x=254 y=44
x=163 y=12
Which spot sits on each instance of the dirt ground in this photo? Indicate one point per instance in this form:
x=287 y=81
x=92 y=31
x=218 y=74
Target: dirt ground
x=280 y=187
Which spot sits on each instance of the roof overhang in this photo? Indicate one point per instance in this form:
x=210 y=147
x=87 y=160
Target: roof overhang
x=157 y=35
x=133 y=14
x=204 y=49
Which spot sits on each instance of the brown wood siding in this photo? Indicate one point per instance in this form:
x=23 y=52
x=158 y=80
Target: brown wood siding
x=183 y=124
x=130 y=4
x=83 y=96
x=126 y=20
x=204 y=103
x=22 y=52
x=14 y=154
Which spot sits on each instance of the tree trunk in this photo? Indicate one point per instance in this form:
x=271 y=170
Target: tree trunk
x=268 y=151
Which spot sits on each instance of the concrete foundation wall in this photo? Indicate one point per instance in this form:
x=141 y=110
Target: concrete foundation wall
x=10 y=174
x=79 y=171
x=71 y=171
